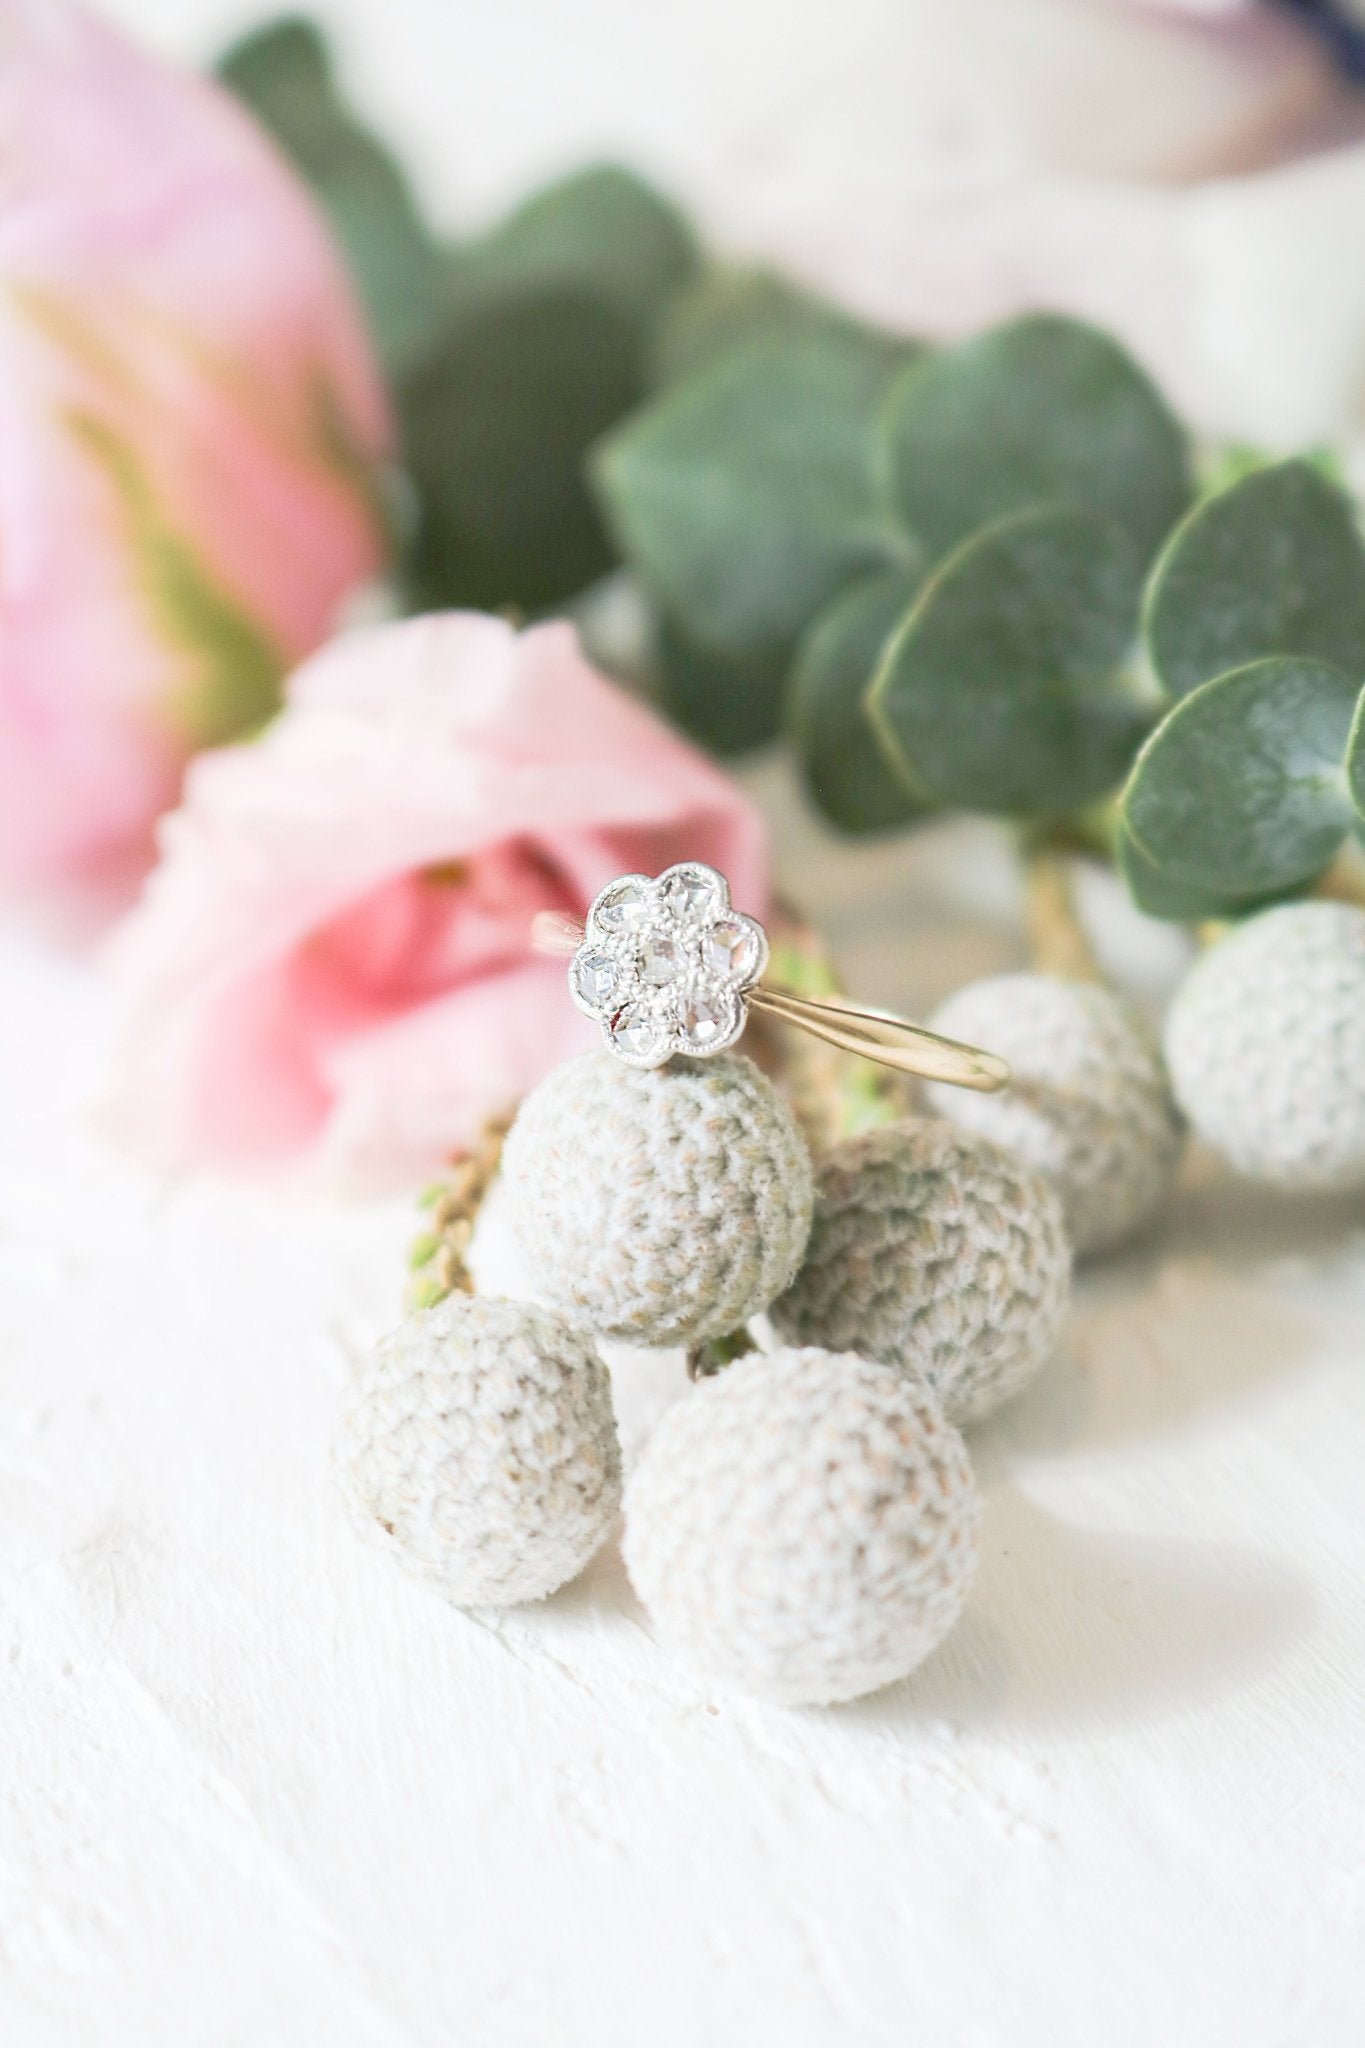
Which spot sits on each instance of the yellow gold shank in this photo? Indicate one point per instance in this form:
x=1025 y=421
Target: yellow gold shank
x=891 y=1041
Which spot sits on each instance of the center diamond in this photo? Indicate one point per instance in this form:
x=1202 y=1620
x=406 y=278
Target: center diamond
x=661 y=961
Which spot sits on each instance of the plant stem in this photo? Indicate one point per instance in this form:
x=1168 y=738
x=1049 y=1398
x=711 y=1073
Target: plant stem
x=439 y=1258
x=704 y=1361
x=1058 y=943
x=1344 y=880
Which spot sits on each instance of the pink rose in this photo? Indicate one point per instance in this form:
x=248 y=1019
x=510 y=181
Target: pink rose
x=330 y=967
x=188 y=423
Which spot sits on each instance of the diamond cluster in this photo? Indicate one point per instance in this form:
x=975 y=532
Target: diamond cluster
x=664 y=965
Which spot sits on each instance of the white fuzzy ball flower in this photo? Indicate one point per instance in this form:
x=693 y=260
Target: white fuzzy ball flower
x=936 y=1251
x=803 y=1526
x=1089 y=1107
x=661 y=1206
x=1266 y=1044
x=478 y=1440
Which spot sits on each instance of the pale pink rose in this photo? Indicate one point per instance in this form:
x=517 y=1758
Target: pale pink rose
x=189 y=419
x=330 y=968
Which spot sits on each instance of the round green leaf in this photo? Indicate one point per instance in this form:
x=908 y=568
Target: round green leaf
x=496 y=426
x=283 y=73
x=729 y=704
x=601 y=229
x=743 y=497
x=844 y=768
x=1241 y=789
x=1165 y=896
x=1041 y=409
x=1272 y=565
x=726 y=310
x=1355 y=759
x=546 y=333
x=1000 y=691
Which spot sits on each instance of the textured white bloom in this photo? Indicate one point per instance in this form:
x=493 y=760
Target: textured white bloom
x=935 y=1251
x=478 y=1440
x=1266 y=1043
x=662 y=1206
x=803 y=1526
x=1089 y=1106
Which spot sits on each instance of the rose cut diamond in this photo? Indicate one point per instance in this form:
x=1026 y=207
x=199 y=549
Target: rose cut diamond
x=704 y=1022
x=595 y=976
x=692 y=892
x=640 y=1036
x=729 y=949
x=661 y=961
x=626 y=906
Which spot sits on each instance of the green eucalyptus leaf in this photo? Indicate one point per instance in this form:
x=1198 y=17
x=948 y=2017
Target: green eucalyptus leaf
x=843 y=766
x=1043 y=409
x=543 y=345
x=1000 y=692
x=1355 y=761
x=495 y=424
x=729 y=704
x=283 y=73
x=744 y=496
x=1241 y=789
x=1272 y=565
x=603 y=230
x=1165 y=896
x=726 y=310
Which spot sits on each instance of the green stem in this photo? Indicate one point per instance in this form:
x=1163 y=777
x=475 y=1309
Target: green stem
x=705 y=1360
x=1344 y=880
x=439 y=1259
x=1058 y=941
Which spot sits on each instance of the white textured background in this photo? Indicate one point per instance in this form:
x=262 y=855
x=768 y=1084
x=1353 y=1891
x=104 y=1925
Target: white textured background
x=257 y=1792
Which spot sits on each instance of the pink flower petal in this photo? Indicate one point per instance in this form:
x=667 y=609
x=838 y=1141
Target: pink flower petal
x=179 y=358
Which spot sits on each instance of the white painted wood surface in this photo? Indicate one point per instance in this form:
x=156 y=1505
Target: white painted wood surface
x=256 y=1791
